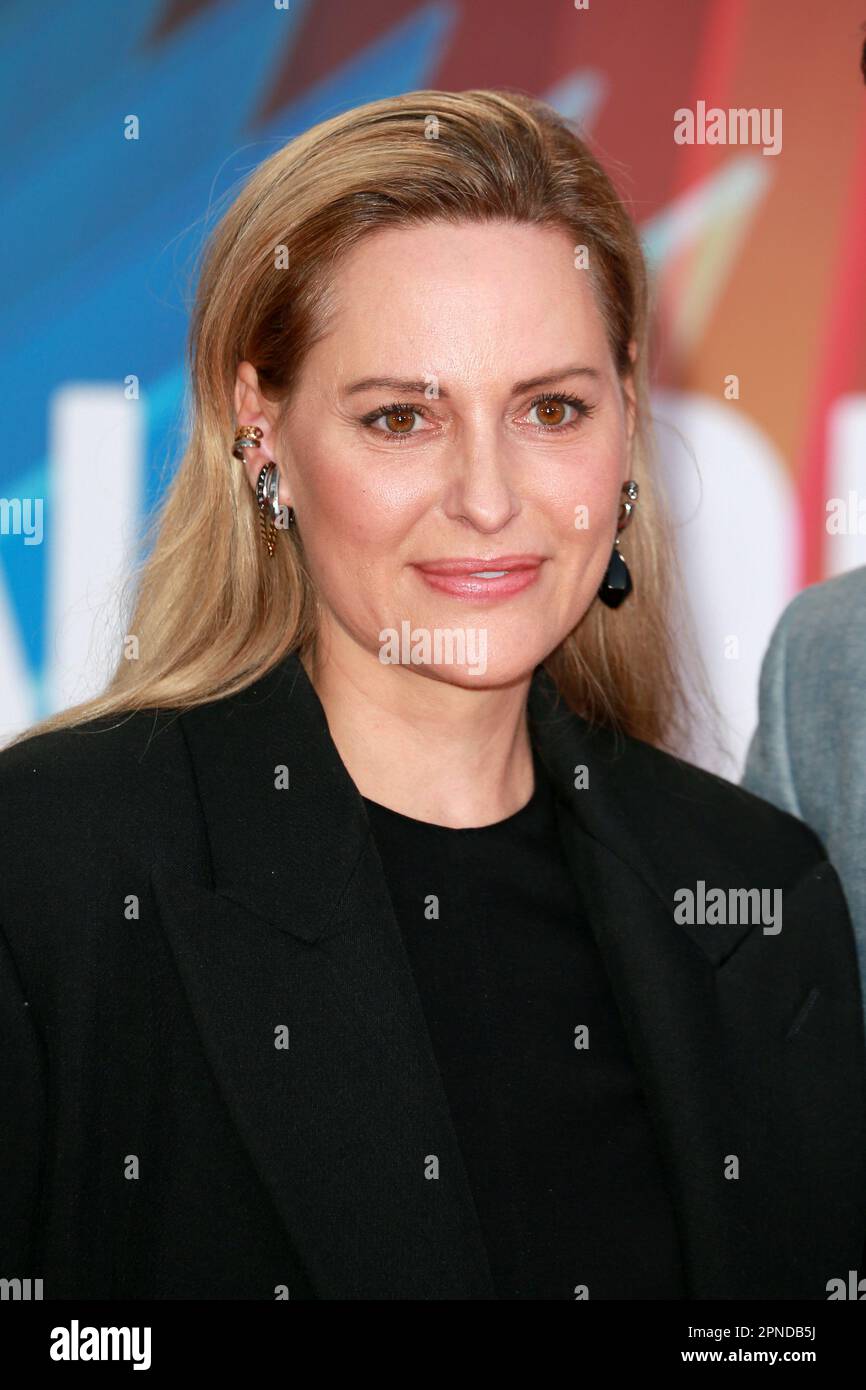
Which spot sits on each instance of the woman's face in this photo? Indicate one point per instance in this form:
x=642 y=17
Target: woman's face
x=464 y=407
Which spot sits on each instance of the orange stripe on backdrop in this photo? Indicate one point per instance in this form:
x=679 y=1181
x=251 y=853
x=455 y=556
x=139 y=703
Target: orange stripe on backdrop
x=769 y=325
x=682 y=288
x=841 y=357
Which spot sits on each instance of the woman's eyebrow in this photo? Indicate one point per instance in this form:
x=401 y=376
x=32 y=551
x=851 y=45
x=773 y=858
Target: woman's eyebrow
x=410 y=387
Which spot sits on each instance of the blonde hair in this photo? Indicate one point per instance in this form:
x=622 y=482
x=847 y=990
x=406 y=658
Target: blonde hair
x=213 y=613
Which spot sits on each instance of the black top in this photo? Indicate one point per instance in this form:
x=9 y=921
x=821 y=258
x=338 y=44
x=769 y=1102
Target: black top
x=551 y=1122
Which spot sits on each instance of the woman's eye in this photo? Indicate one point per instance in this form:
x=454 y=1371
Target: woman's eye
x=394 y=420
x=555 y=412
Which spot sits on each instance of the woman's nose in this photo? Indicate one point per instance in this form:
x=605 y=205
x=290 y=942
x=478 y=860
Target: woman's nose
x=480 y=489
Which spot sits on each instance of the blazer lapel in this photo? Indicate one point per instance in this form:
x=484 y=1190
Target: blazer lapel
x=665 y=996
x=348 y=1126
x=663 y=987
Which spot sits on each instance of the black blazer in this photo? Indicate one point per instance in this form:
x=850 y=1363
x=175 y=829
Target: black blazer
x=166 y=908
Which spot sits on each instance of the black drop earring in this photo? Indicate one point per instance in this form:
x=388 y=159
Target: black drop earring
x=616 y=585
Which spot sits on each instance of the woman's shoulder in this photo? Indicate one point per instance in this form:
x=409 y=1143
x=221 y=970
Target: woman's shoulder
x=672 y=802
x=87 y=813
x=633 y=792
x=71 y=794
x=62 y=764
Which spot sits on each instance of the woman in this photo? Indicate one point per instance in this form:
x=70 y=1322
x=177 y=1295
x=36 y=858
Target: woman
x=356 y=940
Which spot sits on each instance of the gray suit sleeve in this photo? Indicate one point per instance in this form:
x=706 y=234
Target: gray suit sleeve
x=768 y=771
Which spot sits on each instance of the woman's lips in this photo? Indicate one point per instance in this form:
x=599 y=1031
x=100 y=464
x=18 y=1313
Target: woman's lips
x=503 y=581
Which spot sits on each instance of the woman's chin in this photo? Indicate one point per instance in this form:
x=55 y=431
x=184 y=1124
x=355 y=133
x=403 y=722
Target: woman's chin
x=471 y=655
x=489 y=675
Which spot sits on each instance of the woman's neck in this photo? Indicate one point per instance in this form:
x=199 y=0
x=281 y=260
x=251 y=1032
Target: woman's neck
x=423 y=746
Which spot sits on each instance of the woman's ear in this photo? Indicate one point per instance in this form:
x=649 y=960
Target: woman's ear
x=252 y=408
